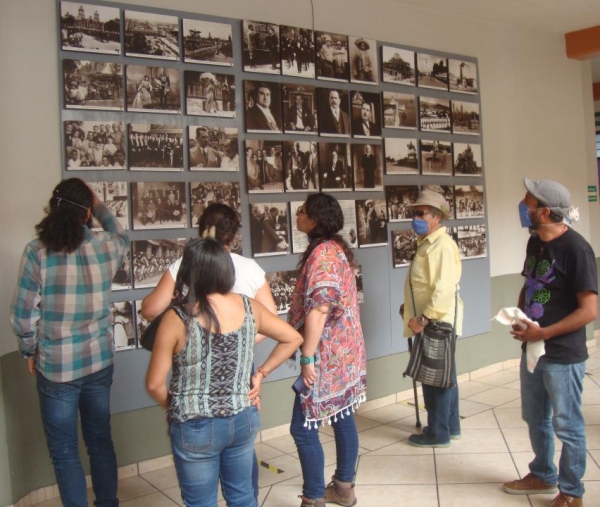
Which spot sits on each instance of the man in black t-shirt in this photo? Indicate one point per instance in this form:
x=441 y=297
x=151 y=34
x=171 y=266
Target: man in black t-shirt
x=560 y=294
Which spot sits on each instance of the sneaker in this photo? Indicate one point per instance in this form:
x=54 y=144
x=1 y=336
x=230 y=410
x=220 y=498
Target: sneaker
x=312 y=502
x=456 y=436
x=340 y=492
x=563 y=500
x=530 y=485
x=425 y=440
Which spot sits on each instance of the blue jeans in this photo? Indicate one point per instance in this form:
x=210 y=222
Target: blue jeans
x=442 y=411
x=551 y=398
x=310 y=451
x=208 y=449
x=60 y=402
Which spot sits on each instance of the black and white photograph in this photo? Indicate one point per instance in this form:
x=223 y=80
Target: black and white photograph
x=401 y=156
x=260 y=50
x=282 y=285
x=434 y=114
x=153 y=89
x=209 y=94
x=333 y=105
x=335 y=164
x=213 y=148
x=436 y=157
x=122 y=279
x=399 y=110
x=264 y=166
x=114 y=196
x=158 y=205
x=398 y=199
x=372 y=223
x=300 y=166
x=469 y=201
x=366 y=114
x=262 y=106
x=299 y=239
x=398 y=66
x=363 y=60
x=123 y=326
x=404 y=246
x=358 y=276
x=207 y=42
x=152 y=257
x=90 y=28
x=93 y=85
x=472 y=241
x=453 y=233
x=155 y=147
x=149 y=35
x=297 y=52
x=332 y=56
x=432 y=71
x=349 y=231
x=94 y=145
x=205 y=193
x=467 y=159
x=465 y=118
x=269 y=229
x=299 y=109
x=447 y=192
x=368 y=166
x=140 y=322
x=463 y=76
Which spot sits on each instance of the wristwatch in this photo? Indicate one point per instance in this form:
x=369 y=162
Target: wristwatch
x=307 y=360
x=423 y=320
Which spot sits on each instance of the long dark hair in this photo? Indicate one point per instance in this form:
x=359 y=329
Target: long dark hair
x=224 y=220
x=325 y=211
x=61 y=230
x=206 y=268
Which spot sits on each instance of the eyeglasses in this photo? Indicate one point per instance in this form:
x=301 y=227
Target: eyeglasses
x=420 y=213
x=300 y=211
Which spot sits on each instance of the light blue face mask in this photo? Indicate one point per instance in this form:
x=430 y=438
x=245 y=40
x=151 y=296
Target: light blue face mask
x=524 y=215
x=420 y=226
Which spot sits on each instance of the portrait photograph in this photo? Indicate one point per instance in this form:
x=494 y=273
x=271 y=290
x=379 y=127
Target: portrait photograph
x=349 y=231
x=153 y=89
x=262 y=106
x=122 y=279
x=152 y=257
x=149 y=35
x=260 y=47
x=432 y=71
x=472 y=241
x=363 y=60
x=155 y=147
x=213 y=148
x=269 y=229
x=299 y=109
x=467 y=159
x=264 y=166
x=404 y=247
x=93 y=85
x=158 y=205
x=399 y=110
x=366 y=114
x=465 y=118
x=401 y=156
x=372 y=223
x=335 y=164
x=94 y=145
x=297 y=52
x=447 y=192
x=398 y=66
x=300 y=166
x=332 y=56
x=140 y=322
x=282 y=285
x=209 y=94
x=463 y=76
x=398 y=199
x=434 y=114
x=368 y=166
x=123 y=326
x=436 y=157
x=207 y=42
x=205 y=193
x=332 y=105
x=299 y=239
x=90 y=28
x=469 y=201
x=114 y=195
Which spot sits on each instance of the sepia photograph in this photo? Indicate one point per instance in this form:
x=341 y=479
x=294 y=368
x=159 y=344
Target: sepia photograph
x=93 y=85
x=122 y=279
x=467 y=160
x=213 y=148
x=90 y=28
x=350 y=226
x=300 y=166
x=366 y=114
x=332 y=105
x=401 y=156
x=264 y=166
x=94 y=145
x=463 y=76
x=398 y=199
x=158 y=205
x=447 y=192
x=282 y=285
x=404 y=246
x=368 y=167
x=262 y=106
x=140 y=322
x=299 y=109
x=123 y=326
x=155 y=147
x=358 y=276
x=269 y=229
x=372 y=223
x=398 y=66
x=114 y=195
x=207 y=42
x=432 y=71
x=363 y=60
x=335 y=167
x=436 y=157
x=472 y=241
x=332 y=56
x=434 y=114
x=209 y=94
x=465 y=118
x=299 y=239
x=297 y=52
x=469 y=201
x=152 y=257
x=153 y=89
x=260 y=47
x=149 y=35
x=399 y=110
x=205 y=193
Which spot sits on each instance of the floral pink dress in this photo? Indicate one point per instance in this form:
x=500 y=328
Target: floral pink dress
x=340 y=358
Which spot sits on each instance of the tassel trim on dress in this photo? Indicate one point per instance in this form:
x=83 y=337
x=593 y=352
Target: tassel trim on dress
x=315 y=423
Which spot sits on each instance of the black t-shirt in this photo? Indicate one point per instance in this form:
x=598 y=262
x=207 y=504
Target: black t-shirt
x=555 y=273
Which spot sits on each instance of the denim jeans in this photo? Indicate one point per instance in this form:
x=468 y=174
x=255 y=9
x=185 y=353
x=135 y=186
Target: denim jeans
x=441 y=404
x=206 y=450
x=551 y=400
x=310 y=451
x=60 y=403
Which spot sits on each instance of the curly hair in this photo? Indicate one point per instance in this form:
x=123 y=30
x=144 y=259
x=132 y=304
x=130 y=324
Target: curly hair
x=224 y=220
x=61 y=230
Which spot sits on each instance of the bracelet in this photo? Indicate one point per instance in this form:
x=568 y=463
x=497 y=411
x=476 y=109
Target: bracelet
x=307 y=359
x=262 y=371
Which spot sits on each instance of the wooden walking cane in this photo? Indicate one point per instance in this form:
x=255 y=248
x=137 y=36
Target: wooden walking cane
x=418 y=424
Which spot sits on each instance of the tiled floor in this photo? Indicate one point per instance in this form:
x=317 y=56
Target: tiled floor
x=494 y=448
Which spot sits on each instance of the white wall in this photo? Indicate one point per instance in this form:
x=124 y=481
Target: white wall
x=597 y=106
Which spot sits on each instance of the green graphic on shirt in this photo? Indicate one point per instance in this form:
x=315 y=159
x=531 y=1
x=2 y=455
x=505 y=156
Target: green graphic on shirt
x=541 y=296
x=530 y=264
x=543 y=268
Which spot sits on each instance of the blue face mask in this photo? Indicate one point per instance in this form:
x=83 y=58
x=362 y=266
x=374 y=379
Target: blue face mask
x=420 y=226
x=524 y=215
